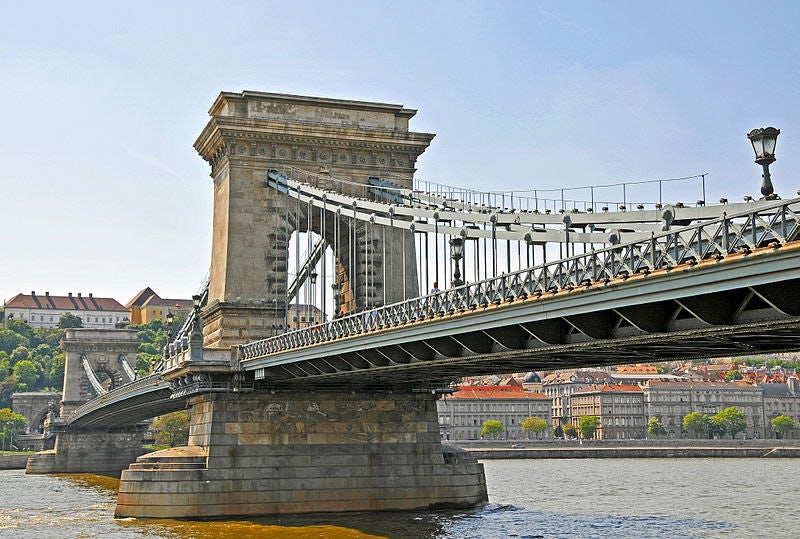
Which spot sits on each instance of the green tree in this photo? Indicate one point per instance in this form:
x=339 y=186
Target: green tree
x=655 y=428
x=12 y=426
x=172 y=429
x=153 y=337
x=783 y=425
x=55 y=372
x=534 y=424
x=588 y=425
x=570 y=431
x=20 y=353
x=492 y=428
x=733 y=375
x=730 y=421
x=27 y=374
x=558 y=431
x=5 y=364
x=9 y=340
x=20 y=327
x=7 y=388
x=69 y=320
x=697 y=424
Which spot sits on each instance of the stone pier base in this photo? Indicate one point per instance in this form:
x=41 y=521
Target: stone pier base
x=105 y=452
x=260 y=454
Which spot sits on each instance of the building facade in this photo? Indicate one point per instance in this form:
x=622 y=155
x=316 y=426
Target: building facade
x=672 y=401
x=147 y=306
x=619 y=407
x=45 y=311
x=559 y=387
x=781 y=399
x=462 y=414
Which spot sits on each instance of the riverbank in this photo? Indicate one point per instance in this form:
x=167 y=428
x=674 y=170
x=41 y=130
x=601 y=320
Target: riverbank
x=13 y=461
x=634 y=449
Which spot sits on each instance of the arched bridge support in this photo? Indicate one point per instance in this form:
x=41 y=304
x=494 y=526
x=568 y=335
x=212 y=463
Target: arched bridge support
x=290 y=452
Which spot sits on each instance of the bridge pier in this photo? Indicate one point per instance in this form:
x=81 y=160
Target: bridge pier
x=91 y=451
x=287 y=452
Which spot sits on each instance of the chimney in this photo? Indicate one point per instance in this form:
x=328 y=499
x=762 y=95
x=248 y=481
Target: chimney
x=70 y=294
x=47 y=293
x=90 y=294
x=79 y=294
x=33 y=292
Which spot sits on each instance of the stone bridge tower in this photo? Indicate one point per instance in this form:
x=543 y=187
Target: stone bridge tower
x=104 y=350
x=102 y=451
x=250 y=133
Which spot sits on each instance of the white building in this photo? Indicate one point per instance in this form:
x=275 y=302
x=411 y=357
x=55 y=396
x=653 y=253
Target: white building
x=45 y=311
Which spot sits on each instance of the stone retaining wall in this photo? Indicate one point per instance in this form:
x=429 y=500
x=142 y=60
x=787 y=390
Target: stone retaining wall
x=13 y=462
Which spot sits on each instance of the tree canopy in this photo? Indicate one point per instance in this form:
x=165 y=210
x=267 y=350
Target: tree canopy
x=172 y=429
x=730 y=421
x=733 y=374
x=11 y=426
x=492 y=428
x=69 y=320
x=697 y=424
x=534 y=424
x=655 y=428
x=588 y=425
x=783 y=424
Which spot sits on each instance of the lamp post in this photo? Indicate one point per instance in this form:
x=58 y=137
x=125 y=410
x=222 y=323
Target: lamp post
x=337 y=296
x=456 y=253
x=313 y=277
x=763 y=140
x=170 y=320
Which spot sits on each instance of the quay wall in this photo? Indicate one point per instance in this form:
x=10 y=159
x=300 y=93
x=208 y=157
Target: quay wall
x=635 y=449
x=13 y=462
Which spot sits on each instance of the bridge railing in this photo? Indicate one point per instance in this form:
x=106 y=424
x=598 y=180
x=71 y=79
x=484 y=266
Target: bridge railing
x=122 y=391
x=773 y=224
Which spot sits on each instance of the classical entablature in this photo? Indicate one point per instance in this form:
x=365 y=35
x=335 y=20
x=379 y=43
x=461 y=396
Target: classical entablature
x=349 y=138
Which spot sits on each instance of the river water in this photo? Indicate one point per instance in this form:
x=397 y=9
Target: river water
x=582 y=498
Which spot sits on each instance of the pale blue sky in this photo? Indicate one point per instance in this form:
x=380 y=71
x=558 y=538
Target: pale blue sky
x=101 y=190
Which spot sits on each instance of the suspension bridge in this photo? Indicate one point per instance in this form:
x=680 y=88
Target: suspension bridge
x=428 y=284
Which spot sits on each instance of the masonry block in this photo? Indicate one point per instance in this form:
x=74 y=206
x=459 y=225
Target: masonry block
x=296 y=453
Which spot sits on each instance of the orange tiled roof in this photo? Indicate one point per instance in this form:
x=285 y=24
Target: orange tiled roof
x=67 y=303
x=495 y=392
x=637 y=369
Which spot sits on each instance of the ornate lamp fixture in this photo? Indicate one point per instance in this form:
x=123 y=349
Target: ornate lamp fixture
x=763 y=140
x=456 y=253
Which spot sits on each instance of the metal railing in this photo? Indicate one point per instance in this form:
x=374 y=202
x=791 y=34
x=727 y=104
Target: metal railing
x=134 y=387
x=775 y=224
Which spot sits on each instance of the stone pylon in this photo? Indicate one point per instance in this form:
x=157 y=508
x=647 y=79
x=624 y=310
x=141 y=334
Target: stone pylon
x=250 y=133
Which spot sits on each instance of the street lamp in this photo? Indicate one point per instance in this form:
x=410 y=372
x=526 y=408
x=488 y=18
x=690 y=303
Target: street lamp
x=763 y=140
x=337 y=296
x=313 y=277
x=456 y=253
x=170 y=320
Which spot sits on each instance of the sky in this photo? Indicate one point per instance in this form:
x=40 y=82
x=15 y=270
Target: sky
x=101 y=190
